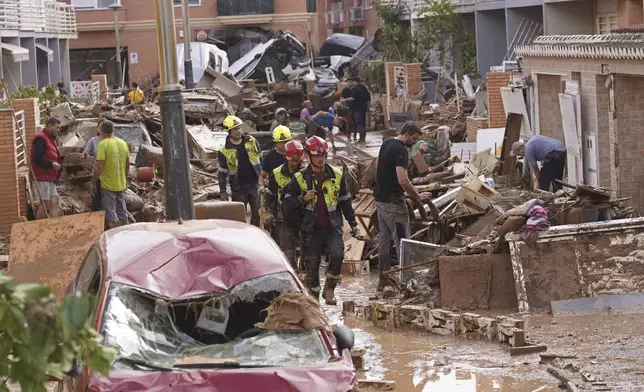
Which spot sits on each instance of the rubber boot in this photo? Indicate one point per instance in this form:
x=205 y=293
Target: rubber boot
x=328 y=293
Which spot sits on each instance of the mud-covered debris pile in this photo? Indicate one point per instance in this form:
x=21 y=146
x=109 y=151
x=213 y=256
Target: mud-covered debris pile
x=4 y=246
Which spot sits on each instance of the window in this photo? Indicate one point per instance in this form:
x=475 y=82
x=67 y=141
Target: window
x=88 y=279
x=606 y=23
x=178 y=3
x=92 y=4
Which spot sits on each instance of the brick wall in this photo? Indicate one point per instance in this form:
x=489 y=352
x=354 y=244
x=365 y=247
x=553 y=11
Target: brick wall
x=22 y=195
x=550 y=122
x=473 y=124
x=9 y=199
x=496 y=112
x=413 y=80
x=629 y=102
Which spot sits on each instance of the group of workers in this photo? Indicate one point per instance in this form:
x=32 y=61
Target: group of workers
x=304 y=204
x=111 y=165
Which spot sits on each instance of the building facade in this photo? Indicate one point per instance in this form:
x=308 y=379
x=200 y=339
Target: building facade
x=231 y=22
x=607 y=73
x=351 y=17
x=35 y=38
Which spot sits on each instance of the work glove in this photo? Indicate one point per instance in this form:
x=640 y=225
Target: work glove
x=269 y=220
x=225 y=196
x=354 y=231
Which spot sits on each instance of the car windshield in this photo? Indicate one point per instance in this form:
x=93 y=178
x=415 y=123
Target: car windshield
x=219 y=329
x=132 y=135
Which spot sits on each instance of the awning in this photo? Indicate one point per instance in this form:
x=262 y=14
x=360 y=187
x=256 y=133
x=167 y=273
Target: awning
x=17 y=52
x=48 y=52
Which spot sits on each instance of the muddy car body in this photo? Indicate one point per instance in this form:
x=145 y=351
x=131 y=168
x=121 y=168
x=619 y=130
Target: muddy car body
x=180 y=302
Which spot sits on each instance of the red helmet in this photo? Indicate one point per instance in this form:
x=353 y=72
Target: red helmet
x=294 y=149
x=315 y=145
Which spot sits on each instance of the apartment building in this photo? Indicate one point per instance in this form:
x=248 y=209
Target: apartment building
x=35 y=37
x=231 y=22
x=351 y=17
x=604 y=75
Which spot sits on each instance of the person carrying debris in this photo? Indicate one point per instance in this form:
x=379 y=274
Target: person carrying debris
x=239 y=163
x=136 y=96
x=284 y=230
x=319 y=196
x=392 y=181
x=46 y=168
x=325 y=122
x=90 y=150
x=112 y=167
x=552 y=155
x=281 y=118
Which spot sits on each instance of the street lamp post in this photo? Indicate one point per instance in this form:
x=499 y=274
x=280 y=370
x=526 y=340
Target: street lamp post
x=187 y=39
x=119 y=76
x=176 y=165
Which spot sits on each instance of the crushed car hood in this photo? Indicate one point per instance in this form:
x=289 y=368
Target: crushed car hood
x=334 y=377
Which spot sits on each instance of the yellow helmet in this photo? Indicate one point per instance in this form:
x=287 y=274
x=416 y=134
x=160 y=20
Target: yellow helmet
x=281 y=134
x=232 y=122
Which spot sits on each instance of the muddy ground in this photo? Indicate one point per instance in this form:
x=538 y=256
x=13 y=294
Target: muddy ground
x=609 y=346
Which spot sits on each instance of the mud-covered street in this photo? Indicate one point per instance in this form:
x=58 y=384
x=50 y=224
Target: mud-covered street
x=608 y=346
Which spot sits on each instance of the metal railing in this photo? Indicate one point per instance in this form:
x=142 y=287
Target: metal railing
x=38 y=16
x=356 y=14
x=86 y=90
x=20 y=136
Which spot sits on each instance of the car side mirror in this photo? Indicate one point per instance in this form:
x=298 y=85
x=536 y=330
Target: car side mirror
x=344 y=338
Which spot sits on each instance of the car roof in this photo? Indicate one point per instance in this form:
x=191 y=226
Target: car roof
x=181 y=260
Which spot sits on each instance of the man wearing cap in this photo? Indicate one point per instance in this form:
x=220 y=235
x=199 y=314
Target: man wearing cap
x=45 y=163
x=284 y=230
x=239 y=164
x=320 y=196
x=552 y=155
x=281 y=118
x=112 y=167
x=275 y=157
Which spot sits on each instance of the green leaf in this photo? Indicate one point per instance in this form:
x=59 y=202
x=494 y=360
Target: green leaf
x=31 y=291
x=76 y=311
x=101 y=360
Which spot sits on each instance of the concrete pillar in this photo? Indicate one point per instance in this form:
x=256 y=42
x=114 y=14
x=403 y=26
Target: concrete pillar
x=42 y=64
x=29 y=67
x=31 y=108
x=490 y=39
x=54 y=66
x=65 y=73
x=9 y=194
x=11 y=70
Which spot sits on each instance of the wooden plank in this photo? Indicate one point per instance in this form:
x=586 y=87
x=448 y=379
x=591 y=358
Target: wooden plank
x=353 y=249
x=512 y=135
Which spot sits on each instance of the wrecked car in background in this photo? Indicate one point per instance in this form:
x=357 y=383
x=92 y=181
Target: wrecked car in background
x=203 y=56
x=283 y=54
x=347 y=52
x=190 y=306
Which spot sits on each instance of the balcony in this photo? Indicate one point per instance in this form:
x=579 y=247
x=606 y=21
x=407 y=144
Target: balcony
x=38 y=16
x=245 y=7
x=356 y=14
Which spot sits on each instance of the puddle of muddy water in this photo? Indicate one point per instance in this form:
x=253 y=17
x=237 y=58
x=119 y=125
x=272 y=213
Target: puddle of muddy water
x=419 y=361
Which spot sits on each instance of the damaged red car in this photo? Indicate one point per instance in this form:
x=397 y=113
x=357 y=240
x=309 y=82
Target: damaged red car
x=206 y=305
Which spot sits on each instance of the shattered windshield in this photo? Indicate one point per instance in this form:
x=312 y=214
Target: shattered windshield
x=210 y=331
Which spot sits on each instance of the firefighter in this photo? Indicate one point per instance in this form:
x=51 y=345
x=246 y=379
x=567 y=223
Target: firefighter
x=283 y=231
x=239 y=163
x=319 y=195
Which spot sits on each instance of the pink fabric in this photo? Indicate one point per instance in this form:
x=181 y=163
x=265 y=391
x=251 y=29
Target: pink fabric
x=537 y=220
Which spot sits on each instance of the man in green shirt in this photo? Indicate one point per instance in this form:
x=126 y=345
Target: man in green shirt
x=112 y=166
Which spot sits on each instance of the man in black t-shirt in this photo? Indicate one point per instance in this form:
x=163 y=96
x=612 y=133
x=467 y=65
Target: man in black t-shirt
x=392 y=182
x=361 y=102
